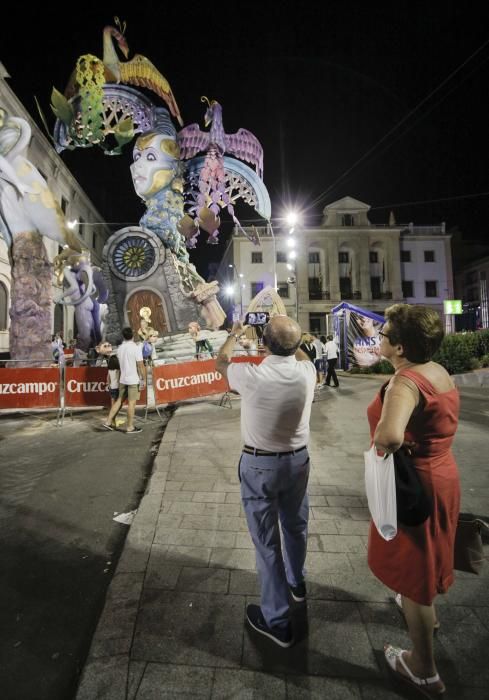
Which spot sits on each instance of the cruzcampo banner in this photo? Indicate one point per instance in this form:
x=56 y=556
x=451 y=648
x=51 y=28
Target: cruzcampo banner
x=363 y=340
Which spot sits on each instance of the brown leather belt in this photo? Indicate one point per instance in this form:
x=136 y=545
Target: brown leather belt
x=263 y=453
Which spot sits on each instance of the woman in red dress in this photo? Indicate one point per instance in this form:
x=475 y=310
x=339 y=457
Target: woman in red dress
x=420 y=408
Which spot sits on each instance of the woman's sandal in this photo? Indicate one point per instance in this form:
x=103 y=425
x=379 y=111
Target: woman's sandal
x=422 y=685
x=398 y=602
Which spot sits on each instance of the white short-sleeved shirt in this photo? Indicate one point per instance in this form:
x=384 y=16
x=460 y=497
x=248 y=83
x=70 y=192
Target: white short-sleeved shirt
x=129 y=354
x=319 y=347
x=276 y=401
x=331 y=350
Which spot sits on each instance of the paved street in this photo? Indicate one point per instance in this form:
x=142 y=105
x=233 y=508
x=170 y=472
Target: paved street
x=60 y=487
x=173 y=624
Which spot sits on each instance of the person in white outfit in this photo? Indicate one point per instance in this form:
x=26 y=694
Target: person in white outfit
x=331 y=352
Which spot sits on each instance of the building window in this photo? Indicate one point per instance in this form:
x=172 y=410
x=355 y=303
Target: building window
x=81 y=227
x=256 y=287
x=375 y=287
x=94 y=240
x=283 y=290
x=314 y=288
x=374 y=256
x=430 y=288
x=429 y=256
x=345 y=287
x=314 y=257
x=348 y=220
x=405 y=256
x=407 y=289
x=256 y=257
x=64 y=205
x=317 y=323
x=3 y=307
x=343 y=256
x=281 y=256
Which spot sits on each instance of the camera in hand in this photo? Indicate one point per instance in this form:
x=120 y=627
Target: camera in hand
x=257 y=318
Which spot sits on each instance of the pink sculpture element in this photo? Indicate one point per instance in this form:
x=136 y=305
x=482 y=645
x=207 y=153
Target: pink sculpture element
x=212 y=195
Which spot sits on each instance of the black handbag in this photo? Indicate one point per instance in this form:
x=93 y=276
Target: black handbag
x=468 y=550
x=414 y=505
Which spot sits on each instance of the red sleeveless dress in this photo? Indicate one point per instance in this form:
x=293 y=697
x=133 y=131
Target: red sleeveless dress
x=418 y=562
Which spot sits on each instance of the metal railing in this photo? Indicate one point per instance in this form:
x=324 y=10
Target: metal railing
x=318 y=295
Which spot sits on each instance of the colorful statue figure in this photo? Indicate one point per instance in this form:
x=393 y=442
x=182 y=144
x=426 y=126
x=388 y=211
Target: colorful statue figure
x=202 y=345
x=145 y=329
x=28 y=211
x=156 y=174
x=213 y=192
x=86 y=290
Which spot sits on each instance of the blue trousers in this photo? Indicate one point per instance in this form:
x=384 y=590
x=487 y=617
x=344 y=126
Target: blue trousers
x=273 y=489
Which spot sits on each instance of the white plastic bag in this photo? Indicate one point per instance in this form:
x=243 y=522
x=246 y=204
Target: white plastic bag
x=380 y=485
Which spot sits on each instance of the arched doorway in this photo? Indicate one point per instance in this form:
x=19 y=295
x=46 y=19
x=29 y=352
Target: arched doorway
x=145 y=297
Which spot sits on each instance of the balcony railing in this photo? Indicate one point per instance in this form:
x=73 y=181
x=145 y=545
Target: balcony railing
x=318 y=295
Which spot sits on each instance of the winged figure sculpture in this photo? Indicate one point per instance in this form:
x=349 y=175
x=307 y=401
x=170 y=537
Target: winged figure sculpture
x=211 y=194
x=137 y=71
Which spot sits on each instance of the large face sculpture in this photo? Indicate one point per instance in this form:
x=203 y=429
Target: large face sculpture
x=155 y=163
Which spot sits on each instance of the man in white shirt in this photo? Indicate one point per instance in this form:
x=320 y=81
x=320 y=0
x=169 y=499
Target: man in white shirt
x=331 y=352
x=131 y=380
x=276 y=398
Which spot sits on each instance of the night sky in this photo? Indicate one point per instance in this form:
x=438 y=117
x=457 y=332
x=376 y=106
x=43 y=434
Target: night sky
x=383 y=101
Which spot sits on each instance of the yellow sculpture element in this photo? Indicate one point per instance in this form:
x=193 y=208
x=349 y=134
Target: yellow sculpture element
x=145 y=313
x=146 y=331
x=268 y=300
x=138 y=71
x=44 y=194
x=90 y=72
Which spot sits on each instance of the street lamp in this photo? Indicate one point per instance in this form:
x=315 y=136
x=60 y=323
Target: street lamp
x=292 y=218
x=238 y=276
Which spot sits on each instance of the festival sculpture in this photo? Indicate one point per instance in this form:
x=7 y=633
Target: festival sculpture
x=84 y=288
x=211 y=193
x=157 y=179
x=28 y=211
x=138 y=71
x=185 y=180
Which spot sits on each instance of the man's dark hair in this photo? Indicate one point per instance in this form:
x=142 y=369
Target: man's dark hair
x=127 y=333
x=277 y=346
x=330 y=337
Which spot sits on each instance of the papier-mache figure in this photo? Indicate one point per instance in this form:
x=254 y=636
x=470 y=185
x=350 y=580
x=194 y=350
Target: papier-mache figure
x=202 y=344
x=157 y=178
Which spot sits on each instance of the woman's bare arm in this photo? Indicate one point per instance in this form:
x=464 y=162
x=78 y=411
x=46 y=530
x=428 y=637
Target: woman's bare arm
x=400 y=400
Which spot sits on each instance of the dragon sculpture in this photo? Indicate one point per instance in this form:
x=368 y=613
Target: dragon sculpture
x=211 y=193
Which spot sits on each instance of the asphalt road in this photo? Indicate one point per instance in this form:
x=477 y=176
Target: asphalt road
x=60 y=488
